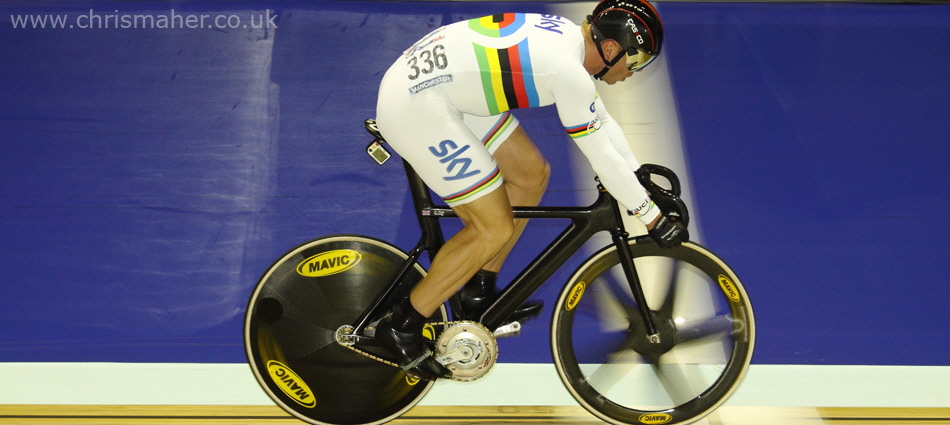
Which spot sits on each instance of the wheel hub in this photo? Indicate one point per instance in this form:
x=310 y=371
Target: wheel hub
x=640 y=343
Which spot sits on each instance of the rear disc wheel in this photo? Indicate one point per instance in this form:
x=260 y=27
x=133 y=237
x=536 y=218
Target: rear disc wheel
x=291 y=326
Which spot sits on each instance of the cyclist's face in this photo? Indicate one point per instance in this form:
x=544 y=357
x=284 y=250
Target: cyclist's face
x=623 y=70
x=617 y=73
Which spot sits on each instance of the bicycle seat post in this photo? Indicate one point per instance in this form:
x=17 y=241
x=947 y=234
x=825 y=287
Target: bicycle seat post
x=432 y=238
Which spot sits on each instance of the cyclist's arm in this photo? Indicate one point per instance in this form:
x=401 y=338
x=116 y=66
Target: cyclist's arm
x=603 y=143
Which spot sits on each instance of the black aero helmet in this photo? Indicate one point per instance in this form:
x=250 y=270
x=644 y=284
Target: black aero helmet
x=634 y=24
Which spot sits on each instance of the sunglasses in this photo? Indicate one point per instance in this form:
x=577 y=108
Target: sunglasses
x=639 y=60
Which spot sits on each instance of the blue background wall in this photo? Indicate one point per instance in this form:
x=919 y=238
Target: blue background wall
x=149 y=176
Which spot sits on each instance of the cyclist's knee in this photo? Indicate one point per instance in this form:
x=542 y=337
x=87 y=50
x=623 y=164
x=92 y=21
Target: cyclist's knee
x=497 y=234
x=522 y=164
x=495 y=230
x=533 y=176
x=489 y=220
x=543 y=176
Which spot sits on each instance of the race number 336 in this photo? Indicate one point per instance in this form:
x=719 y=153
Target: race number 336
x=426 y=61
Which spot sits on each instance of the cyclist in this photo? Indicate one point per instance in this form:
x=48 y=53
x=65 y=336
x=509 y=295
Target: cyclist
x=444 y=106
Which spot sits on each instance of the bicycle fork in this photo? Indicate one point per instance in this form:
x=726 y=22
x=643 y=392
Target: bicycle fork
x=619 y=236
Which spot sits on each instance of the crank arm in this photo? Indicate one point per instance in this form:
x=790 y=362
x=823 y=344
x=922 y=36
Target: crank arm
x=511 y=329
x=461 y=353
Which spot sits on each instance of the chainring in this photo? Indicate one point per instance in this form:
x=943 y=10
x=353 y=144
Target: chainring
x=468 y=349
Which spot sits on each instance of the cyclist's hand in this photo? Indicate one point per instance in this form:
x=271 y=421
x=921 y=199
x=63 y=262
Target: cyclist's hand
x=668 y=233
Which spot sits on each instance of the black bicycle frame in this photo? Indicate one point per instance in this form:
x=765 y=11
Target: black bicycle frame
x=602 y=215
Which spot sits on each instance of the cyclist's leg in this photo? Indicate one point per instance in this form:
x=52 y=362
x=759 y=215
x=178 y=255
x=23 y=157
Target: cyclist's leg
x=525 y=169
x=488 y=227
x=429 y=133
x=526 y=174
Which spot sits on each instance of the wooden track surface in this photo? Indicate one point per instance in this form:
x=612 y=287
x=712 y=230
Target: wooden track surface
x=95 y=414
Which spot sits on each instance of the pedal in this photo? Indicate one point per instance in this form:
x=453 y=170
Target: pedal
x=509 y=330
x=370 y=329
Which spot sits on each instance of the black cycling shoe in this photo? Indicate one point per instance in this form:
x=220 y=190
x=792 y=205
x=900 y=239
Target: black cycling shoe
x=480 y=291
x=400 y=333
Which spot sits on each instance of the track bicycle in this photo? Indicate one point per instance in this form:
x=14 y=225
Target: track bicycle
x=639 y=334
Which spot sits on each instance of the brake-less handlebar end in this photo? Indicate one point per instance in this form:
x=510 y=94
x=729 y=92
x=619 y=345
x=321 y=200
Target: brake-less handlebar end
x=669 y=201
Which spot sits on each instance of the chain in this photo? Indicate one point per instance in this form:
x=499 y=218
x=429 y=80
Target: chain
x=387 y=362
x=379 y=359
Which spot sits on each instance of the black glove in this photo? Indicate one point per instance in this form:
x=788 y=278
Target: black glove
x=668 y=233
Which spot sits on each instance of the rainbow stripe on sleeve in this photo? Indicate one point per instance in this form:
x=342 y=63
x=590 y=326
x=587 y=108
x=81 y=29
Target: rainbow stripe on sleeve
x=587 y=128
x=579 y=131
